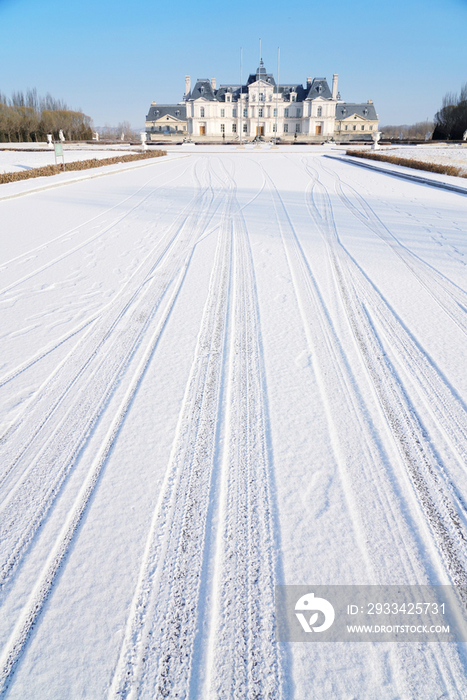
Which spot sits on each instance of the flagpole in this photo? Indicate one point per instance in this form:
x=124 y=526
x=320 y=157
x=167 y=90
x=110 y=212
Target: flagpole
x=259 y=74
x=277 y=90
x=241 y=87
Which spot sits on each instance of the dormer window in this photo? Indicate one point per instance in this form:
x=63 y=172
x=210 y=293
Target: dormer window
x=365 y=112
x=294 y=98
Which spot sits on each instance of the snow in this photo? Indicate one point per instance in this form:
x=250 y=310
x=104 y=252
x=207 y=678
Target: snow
x=221 y=371
x=442 y=154
x=15 y=157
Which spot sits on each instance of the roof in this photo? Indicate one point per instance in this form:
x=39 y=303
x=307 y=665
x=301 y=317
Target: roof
x=319 y=88
x=365 y=110
x=286 y=90
x=158 y=111
x=233 y=90
x=202 y=88
x=262 y=74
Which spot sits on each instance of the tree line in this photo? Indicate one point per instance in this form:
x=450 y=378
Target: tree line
x=418 y=132
x=451 y=120
x=29 y=117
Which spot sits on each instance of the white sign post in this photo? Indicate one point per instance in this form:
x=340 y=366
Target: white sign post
x=59 y=153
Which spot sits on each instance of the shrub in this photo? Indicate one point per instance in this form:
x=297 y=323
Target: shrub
x=77 y=165
x=406 y=162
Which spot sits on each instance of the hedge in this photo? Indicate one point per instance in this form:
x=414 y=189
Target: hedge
x=77 y=165
x=406 y=162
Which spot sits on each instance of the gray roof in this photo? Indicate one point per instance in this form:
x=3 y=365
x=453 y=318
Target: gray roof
x=158 y=111
x=203 y=88
x=347 y=109
x=262 y=74
x=233 y=90
x=319 y=88
x=285 y=91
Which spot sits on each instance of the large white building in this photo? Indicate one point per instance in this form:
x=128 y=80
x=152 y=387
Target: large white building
x=262 y=108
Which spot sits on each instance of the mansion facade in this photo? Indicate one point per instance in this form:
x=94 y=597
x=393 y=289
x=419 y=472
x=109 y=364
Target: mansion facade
x=263 y=109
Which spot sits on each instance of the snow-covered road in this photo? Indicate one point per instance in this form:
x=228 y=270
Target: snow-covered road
x=219 y=372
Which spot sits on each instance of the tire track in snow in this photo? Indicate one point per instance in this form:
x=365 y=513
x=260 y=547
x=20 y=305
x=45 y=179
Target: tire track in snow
x=447 y=409
x=357 y=449
x=43 y=586
x=46 y=442
x=447 y=295
x=83 y=244
x=243 y=658
x=155 y=659
x=162 y=631
x=387 y=541
x=423 y=466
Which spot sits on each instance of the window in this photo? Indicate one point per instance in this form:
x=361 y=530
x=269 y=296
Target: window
x=297 y=128
x=234 y=128
x=363 y=127
x=260 y=111
x=245 y=112
x=274 y=112
x=201 y=112
x=222 y=112
x=346 y=127
x=261 y=96
x=286 y=112
x=234 y=113
x=320 y=112
x=253 y=97
x=228 y=98
x=299 y=112
x=371 y=127
x=286 y=128
x=274 y=127
x=354 y=127
x=222 y=128
x=245 y=128
x=293 y=98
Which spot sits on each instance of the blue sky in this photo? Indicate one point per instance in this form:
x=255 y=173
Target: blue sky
x=112 y=58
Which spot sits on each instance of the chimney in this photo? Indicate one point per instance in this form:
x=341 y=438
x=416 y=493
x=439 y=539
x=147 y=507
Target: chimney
x=187 y=84
x=308 y=82
x=213 y=83
x=334 y=86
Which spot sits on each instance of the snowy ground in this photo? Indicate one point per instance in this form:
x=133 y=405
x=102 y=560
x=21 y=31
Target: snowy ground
x=21 y=158
x=221 y=371
x=442 y=154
